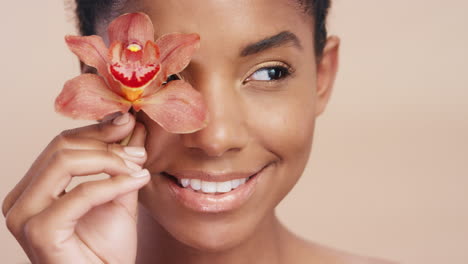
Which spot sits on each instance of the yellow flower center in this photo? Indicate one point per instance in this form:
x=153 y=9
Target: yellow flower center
x=134 y=47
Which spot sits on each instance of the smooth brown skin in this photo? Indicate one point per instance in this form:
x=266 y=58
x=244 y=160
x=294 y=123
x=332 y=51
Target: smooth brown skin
x=252 y=123
x=53 y=226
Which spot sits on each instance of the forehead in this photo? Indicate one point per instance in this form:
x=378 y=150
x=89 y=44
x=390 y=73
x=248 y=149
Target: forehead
x=201 y=14
x=225 y=26
x=222 y=20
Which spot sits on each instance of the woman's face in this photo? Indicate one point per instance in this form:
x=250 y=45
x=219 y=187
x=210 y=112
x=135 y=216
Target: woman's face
x=256 y=70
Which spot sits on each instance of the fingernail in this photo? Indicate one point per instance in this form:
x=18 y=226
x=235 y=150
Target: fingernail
x=132 y=165
x=135 y=151
x=122 y=119
x=140 y=174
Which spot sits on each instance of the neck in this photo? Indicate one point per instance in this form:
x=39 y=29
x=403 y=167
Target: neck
x=156 y=245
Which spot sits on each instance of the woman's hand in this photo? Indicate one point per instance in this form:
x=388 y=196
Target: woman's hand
x=95 y=222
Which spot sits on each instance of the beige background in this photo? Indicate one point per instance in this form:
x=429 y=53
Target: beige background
x=389 y=172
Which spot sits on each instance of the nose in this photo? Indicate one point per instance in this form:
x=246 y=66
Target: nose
x=226 y=130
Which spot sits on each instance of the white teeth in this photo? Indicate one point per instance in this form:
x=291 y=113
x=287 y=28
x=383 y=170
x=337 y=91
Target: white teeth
x=195 y=184
x=185 y=182
x=208 y=187
x=235 y=183
x=212 y=187
x=223 y=187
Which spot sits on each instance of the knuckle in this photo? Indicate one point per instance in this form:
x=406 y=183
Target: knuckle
x=6 y=204
x=61 y=156
x=62 y=140
x=34 y=230
x=64 y=136
x=58 y=142
x=16 y=223
x=68 y=133
x=41 y=236
x=12 y=223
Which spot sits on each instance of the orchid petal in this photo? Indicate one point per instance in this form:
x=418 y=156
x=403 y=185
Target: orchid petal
x=115 y=52
x=176 y=51
x=151 y=53
x=87 y=97
x=176 y=107
x=132 y=27
x=91 y=50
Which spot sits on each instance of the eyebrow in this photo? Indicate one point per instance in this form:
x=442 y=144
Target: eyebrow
x=280 y=39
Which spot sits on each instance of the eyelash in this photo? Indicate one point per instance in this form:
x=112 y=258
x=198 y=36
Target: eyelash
x=284 y=72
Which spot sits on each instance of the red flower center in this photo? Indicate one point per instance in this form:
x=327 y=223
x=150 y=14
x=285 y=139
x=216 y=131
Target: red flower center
x=130 y=71
x=134 y=67
x=133 y=75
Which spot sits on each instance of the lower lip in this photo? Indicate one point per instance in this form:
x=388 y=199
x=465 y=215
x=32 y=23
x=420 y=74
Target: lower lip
x=214 y=203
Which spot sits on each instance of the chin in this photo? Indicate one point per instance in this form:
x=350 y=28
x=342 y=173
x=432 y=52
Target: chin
x=211 y=237
x=214 y=230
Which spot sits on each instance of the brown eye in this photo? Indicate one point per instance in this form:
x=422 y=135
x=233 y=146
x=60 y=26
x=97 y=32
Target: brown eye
x=270 y=73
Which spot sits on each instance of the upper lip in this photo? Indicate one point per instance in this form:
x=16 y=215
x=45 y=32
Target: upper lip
x=211 y=176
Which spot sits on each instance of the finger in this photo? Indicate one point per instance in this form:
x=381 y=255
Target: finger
x=130 y=200
x=108 y=132
x=139 y=135
x=136 y=155
x=55 y=177
x=58 y=221
x=137 y=141
x=71 y=140
x=133 y=153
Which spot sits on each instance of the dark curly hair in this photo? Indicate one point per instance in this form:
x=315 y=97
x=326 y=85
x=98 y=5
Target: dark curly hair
x=88 y=11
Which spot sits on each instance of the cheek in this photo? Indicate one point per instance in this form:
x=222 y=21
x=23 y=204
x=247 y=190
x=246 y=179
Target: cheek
x=283 y=122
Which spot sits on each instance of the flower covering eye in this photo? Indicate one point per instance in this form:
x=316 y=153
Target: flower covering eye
x=135 y=72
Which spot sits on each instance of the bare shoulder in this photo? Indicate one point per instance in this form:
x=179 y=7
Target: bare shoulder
x=310 y=252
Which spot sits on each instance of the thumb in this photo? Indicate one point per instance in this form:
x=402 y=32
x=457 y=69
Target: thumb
x=130 y=200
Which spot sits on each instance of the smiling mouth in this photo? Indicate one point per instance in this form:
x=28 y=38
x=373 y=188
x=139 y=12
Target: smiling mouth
x=208 y=192
x=209 y=187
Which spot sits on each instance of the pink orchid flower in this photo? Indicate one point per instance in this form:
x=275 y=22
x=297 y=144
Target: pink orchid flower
x=132 y=72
